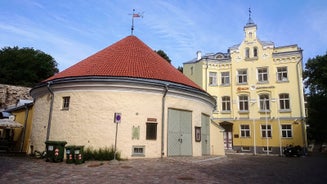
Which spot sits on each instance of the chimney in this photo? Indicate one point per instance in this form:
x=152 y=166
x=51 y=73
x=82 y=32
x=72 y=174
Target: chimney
x=199 y=55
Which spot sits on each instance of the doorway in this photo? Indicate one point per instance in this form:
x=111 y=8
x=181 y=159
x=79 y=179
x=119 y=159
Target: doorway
x=228 y=135
x=179 y=133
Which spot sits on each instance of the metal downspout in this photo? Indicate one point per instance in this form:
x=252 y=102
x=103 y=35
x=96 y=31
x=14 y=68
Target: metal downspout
x=163 y=120
x=50 y=111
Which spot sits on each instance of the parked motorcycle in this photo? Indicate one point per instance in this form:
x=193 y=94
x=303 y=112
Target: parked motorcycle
x=291 y=151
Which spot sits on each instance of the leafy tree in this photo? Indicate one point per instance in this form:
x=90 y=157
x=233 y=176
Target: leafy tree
x=315 y=80
x=25 y=66
x=163 y=55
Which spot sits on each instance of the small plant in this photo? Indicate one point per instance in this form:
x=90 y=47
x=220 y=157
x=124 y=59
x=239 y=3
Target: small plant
x=100 y=154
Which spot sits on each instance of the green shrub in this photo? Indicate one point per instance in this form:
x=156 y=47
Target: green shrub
x=100 y=154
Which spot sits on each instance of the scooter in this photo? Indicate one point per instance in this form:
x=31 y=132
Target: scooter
x=291 y=151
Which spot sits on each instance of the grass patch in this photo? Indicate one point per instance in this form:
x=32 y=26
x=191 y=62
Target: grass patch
x=100 y=154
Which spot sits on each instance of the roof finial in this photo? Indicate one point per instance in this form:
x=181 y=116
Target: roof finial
x=134 y=15
x=250 y=21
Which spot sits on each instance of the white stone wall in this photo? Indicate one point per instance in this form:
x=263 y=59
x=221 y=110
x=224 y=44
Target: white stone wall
x=90 y=118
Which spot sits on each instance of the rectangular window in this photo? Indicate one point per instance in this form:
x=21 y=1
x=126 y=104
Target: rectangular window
x=212 y=78
x=224 y=78
x=266 y=131
x=282 y=74
x=243 y=103
x=284 y=101
x=245 y=148
x=245 y=130
x=138 y=150
x=225 y=104
x=151 y=131
x=262 y=75
x=65 y=102
x=286 y=131
x=265 y=149
x=242 y=76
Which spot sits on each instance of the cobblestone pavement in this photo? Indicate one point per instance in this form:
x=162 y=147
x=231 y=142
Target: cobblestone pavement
x=229 y=169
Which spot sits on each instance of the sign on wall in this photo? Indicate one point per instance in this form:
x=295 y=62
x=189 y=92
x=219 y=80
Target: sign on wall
x=117 y=118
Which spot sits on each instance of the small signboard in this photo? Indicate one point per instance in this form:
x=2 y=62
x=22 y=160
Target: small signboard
x=117 y=117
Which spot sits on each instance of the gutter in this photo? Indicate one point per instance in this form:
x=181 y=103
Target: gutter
x=163 y=120
x=50 y=111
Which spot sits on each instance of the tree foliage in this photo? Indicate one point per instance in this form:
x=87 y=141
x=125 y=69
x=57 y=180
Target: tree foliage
x=163 y=55
x=315 y=80
x=315 y=75
x=25 y=66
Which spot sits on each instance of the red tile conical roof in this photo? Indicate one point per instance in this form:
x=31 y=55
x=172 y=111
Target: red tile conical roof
x=129 y=57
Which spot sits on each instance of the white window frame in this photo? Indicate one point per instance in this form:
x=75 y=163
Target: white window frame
x=243 y=103
x=225 y=79
x=263 y=131
x=212 y=78
x=287 y=130
x=262 y=101
x=225 y=104
x=284 y=102
x=262 y=75
x=242 y=76
x=245 y=128
x=282 y=76
x=138 y=151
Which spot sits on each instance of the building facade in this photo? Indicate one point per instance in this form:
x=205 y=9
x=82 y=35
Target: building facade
x=159 y=111
x=259 y=93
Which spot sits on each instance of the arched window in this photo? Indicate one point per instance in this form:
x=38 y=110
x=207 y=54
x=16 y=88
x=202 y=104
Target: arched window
x=264 y=102
x=255 y=52
x=247 y=52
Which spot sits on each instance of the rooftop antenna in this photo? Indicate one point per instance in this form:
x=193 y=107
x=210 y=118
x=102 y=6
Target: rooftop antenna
x=135 y=15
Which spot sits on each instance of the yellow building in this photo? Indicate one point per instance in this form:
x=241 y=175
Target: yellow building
x=259 y=93
x=20 y=136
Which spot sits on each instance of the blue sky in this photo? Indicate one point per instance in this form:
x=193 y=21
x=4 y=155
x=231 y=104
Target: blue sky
x=71 y=30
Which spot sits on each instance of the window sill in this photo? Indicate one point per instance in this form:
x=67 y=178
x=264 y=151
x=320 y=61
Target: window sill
x=225 y=112
x=213 y=85
x=282 y=81
x=264 y=111
x=243 y=112
x=65 y=109
x=285 y=111
x=245 y=137
x=225 y=85
x=251 y=58
x=263 y=82
x=138 y=155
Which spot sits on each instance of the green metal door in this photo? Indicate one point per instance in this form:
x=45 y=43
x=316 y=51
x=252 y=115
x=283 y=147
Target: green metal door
x=205 y=134
x=179 y=133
